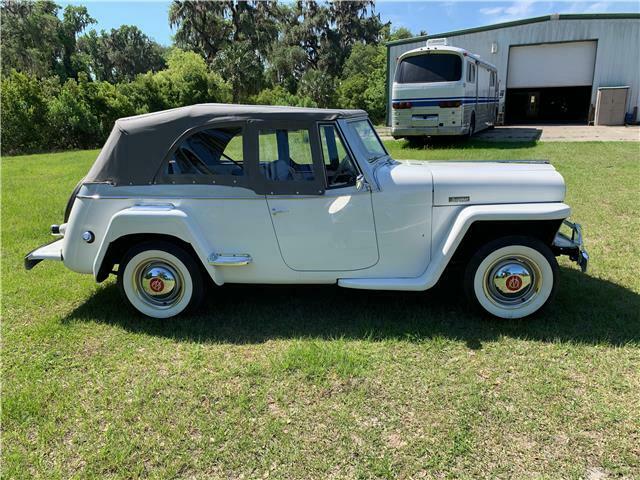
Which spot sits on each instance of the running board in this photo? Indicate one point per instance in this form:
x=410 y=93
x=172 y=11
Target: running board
x=229 y=259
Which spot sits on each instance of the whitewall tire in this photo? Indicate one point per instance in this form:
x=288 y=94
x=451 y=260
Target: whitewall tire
x=160 y=279
x=512 y=277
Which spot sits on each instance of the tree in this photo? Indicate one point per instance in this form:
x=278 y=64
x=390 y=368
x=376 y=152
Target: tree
x=400 y=33
x=363 y=80
x=209 y=27
x=319 y=86
x=74 y=21
x=200 y=26
x=121 y=54
x=234 y=37
x=352 y=22
x=315 y=40
x=297 y=48
x=241 y=67
x=185 y=81
x=36 y=41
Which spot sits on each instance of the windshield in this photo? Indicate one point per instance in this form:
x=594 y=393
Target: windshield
x=430 y=68
x=369 y=139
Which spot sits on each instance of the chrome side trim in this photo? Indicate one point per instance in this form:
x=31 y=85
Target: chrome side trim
x=164 y=197
x=153 y=207
x=229 y=259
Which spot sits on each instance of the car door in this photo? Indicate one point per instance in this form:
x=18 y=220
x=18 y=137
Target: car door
x=322 y=220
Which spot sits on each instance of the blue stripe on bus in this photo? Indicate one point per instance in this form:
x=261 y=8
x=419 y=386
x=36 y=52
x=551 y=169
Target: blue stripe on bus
x=436 y=103
x=442 y=99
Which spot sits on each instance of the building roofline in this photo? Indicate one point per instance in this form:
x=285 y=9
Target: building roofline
x=496 y=26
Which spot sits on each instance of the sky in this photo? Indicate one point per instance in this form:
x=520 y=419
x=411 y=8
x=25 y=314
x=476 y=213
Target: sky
x=431 y=16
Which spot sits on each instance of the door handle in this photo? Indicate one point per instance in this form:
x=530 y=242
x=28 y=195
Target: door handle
x=275 y=211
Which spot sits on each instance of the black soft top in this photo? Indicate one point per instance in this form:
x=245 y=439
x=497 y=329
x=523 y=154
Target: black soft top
x=137 y=146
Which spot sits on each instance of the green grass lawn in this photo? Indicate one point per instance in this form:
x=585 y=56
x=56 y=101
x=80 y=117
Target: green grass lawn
x=320 y=382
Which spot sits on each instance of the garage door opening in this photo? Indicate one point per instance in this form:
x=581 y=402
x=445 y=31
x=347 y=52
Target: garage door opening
x=550 y=82
x=548 y=105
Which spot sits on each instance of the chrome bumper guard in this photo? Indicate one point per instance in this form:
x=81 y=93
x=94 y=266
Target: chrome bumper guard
x=572 y=245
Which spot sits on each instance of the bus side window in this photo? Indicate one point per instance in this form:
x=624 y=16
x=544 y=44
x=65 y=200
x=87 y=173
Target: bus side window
x=471 y=73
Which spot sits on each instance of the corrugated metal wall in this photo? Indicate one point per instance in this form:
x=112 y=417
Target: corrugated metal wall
x=617 y=56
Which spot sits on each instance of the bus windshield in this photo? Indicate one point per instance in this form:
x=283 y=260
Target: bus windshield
x=430 y=68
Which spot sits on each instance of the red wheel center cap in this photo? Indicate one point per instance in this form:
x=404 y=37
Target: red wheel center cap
x=513 y=283
x=156 y=284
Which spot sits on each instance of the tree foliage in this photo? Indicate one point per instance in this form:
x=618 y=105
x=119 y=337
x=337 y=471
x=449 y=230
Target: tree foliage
x=64 y=88
x=255 y=44
x=363 y=80
x=121 y=54
x=42 y=114
x=36 y=41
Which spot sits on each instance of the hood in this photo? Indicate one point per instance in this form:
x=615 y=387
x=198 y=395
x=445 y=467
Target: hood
x=477 y=182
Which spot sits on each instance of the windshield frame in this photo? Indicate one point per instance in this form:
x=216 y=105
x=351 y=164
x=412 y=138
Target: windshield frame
x=371 y=157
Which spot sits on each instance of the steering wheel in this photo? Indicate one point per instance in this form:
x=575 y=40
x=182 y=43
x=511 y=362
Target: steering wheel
x=342 y=169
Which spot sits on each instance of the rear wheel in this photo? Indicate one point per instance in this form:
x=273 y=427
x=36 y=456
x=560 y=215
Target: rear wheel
x=511 y=277
x=495 y=120
x=160 y=279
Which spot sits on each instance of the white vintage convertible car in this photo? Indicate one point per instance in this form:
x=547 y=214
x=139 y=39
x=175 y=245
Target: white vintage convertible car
x=253 y=194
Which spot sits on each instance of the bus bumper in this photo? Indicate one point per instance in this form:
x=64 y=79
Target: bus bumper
x=427 y=131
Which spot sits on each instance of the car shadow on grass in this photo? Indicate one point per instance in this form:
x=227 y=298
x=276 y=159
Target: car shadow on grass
x=585 y=311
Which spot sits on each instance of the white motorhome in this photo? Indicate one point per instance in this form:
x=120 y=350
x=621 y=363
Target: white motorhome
x=443 y=90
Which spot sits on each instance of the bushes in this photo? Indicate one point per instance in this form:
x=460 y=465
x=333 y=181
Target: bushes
x=280 y=96
x=72 y=117
x=23 y=114
x=43 y=115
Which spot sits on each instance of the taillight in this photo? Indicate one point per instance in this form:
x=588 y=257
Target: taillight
x=401 y=105
x=450 y=104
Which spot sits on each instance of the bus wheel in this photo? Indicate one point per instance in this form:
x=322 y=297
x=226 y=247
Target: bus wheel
x=495 y=120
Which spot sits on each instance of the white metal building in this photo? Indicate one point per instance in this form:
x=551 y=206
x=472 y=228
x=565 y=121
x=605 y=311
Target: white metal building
x=550 y=68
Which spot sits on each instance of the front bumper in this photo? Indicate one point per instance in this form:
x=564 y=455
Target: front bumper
x=572 y=245
x=50 y=251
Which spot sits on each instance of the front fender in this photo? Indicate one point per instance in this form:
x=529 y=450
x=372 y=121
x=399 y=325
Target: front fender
x=443 y=252
x=161 y=220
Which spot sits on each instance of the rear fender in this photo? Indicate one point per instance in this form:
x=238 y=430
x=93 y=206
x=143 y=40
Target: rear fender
x=164 y=220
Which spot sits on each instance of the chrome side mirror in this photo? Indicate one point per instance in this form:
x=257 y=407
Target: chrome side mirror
x=360 y=182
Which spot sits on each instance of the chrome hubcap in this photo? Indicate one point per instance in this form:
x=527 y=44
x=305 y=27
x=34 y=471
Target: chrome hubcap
x=512 y=281
x=158 y=283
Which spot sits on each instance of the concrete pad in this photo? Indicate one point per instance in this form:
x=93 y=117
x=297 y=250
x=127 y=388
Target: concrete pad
x=550 y=133
x=561 y=133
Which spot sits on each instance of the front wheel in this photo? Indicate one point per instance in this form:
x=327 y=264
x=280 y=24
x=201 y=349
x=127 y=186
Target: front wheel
x=512 y=277
x=160 y=279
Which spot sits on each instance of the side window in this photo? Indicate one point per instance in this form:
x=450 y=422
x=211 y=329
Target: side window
x=338 y=165
x=471 y=73
x=492 y=79
x=215 y=151
x=285 y=155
